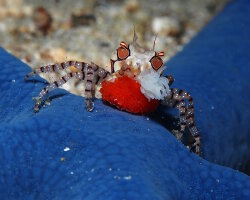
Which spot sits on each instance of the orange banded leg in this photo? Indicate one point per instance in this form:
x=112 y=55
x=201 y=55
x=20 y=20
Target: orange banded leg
x=56 y=67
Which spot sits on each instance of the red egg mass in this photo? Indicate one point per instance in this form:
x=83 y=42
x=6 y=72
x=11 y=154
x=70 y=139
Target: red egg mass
x=125 y=94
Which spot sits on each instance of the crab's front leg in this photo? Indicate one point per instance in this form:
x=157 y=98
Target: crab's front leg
x=95 y=74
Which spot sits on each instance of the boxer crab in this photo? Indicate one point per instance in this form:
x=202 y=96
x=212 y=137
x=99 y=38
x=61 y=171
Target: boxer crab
x=131 y=61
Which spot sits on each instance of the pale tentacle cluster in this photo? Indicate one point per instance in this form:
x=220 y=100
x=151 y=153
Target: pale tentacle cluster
x=153 y=86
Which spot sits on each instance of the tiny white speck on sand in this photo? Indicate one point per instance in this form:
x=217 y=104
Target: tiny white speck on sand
x=66 y=149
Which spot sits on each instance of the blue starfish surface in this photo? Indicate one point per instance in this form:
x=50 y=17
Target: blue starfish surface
x=65 y=152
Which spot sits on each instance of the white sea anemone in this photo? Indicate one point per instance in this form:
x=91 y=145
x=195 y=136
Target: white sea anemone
x=153 y=85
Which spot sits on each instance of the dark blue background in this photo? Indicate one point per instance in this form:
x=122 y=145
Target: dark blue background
x=117 y=155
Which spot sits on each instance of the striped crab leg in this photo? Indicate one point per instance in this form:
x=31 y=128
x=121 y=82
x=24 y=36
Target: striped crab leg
x=54 y=85
x=91 y=74
x=94 y=75
x=176 y=98
x=52 y=68
x=191 y=123
x=173 y=100
x=180 y=95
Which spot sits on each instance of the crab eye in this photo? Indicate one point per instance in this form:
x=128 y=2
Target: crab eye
x=156 y=62
x=122 y=53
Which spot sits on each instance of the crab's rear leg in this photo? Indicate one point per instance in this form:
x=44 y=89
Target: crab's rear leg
x=188 y=117
x=170 y=101
x=91 y=74
x=176 y=98
x=173 y=100
x=54 y=68
x=191 y=123
x=54 y=85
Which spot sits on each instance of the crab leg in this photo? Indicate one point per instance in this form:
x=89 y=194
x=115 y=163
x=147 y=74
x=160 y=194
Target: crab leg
x=176 y=98
x=94 y=75
x=182 y=110
x=55 y=68
x=170 y=79
x=189 y=115
x=54 y=85
x=173 y=100
x=191 y=123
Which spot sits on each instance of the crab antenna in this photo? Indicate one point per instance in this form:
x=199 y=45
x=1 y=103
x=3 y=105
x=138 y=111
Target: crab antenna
x=154 y=42
x=135 y=37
